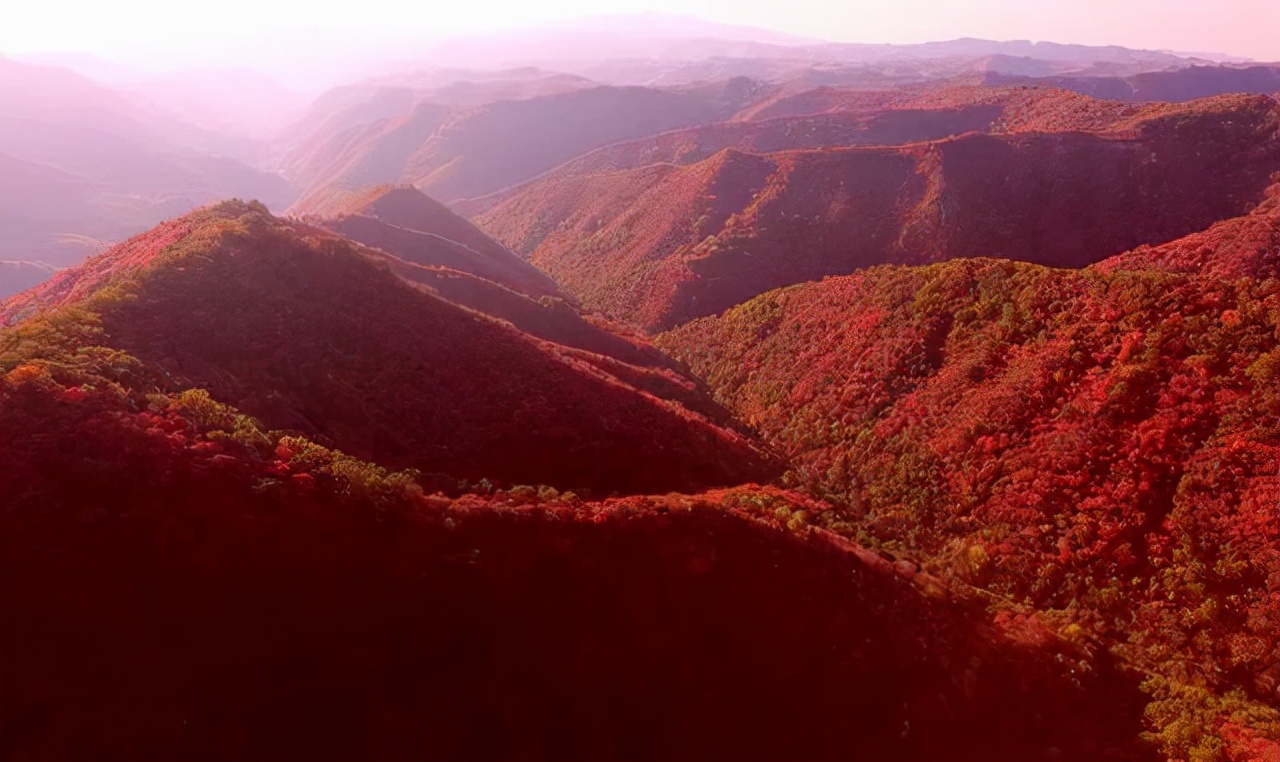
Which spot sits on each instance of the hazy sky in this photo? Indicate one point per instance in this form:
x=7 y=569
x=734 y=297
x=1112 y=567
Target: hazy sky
x=182 y=31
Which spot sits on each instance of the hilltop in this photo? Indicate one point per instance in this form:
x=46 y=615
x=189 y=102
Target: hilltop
x=310 y=332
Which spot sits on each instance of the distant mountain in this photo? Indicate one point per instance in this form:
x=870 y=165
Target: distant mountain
x=1098 y=443
x=586 y=41
x=405 y=222
x=82 y=161
x=659 y=243
x=312 y=333
x=629 y=43
x=454 y=154
x=241 y=102
x=1180 y=85
x=326 y=138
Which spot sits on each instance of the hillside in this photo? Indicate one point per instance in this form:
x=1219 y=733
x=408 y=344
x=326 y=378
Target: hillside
x=1182 y=84
x=309 y=332
x=407 y=223
x=831 y=117
x=183 y=582
x=453 y=153
x=195 y=587
x=1100 y=444
x=658 y=244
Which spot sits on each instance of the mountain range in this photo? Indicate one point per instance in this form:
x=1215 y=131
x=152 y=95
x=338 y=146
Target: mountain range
x=687 y=394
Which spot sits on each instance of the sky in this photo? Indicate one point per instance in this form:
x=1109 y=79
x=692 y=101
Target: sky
x=189 y=32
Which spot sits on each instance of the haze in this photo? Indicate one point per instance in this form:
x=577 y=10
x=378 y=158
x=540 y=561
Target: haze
x=299 y=42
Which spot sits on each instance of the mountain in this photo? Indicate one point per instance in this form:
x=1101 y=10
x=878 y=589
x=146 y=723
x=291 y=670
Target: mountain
x=645 y=48
x=86 y=162
x=233 y=101
x=832 y=117
x=186 y=581
x=420 y=230
x=1097 y=443
x=660 y=243
x=431 y=246
x=1182 y=84
x=312 y=333
x=454 y=154
x=185 y=584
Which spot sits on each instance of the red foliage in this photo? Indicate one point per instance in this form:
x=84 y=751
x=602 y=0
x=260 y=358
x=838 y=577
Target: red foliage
x=658 y=244
x=178 y=585
x=1103 y=443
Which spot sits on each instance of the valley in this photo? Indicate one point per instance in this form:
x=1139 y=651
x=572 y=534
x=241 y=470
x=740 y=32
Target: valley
x=642 y=387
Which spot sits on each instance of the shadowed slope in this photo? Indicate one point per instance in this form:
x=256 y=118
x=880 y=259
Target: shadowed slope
x=180 y=584
x=431 y=246
x=660 y=244
x=305 y=330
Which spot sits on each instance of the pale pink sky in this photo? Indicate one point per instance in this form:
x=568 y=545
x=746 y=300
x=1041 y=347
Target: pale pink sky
x=147 y=30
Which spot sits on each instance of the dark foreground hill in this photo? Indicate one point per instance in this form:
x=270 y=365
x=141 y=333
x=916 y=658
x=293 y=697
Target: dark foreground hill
x=312 y=333
x=180 y=583
x=1099 y=444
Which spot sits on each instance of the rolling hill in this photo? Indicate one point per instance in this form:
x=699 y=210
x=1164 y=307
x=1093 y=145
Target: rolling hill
x=193 y=586
x=312 y=333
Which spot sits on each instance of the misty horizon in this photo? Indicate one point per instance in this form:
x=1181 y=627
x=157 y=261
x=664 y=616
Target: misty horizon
x=308 y=51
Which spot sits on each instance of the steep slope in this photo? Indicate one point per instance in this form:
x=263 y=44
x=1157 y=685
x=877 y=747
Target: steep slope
x=827 y=117
x=429 y=245
x=1246 y=246
x=1101 y=444
x=309 y=332
x=659 y=244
